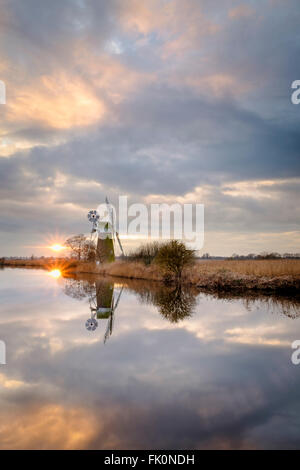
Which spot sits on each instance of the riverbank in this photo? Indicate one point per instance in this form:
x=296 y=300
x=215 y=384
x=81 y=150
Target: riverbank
x=45 y=263
x=266 y=276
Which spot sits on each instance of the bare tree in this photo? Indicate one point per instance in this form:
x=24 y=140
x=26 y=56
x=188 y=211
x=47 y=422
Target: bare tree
x=76 y=245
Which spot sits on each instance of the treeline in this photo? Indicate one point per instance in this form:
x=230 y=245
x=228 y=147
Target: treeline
x=264 y=255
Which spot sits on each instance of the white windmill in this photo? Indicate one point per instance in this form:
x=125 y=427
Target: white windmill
x=104 y=234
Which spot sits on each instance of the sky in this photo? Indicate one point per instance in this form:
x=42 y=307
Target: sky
x=159 y=100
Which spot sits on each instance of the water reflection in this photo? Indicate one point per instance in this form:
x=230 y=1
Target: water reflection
x=102 y=298
x=182 y=369
x=55 y=273
x=285 y=305
x=175 y=303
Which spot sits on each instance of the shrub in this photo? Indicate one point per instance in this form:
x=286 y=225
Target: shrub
x=173 y=257
x=144 y=253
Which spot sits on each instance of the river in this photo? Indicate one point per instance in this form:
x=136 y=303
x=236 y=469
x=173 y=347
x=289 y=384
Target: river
x=93 y=363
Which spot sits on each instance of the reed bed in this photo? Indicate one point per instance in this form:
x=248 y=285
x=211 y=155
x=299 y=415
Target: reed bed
x=44 y=263
x=133 y=269
x=260 y=268
x=253 y=275
x=130 y=270
x=282 y=276
x=26 y=262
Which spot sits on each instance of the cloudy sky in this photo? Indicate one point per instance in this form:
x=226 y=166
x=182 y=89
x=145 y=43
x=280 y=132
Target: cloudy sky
x=160 y=100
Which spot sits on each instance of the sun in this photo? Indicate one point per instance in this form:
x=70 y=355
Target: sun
x=55 y=242
x=56 y=273
x=57 y=247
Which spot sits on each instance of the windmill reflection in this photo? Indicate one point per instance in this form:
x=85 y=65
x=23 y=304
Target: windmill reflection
x=103 y=302
x=103 y=305
x=175 y=303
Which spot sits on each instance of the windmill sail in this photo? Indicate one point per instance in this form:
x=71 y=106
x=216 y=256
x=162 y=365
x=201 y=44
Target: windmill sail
x=120 y=245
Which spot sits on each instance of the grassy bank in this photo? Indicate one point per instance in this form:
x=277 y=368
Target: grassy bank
x=268 y=276
x=257 y=275
x=43 y=263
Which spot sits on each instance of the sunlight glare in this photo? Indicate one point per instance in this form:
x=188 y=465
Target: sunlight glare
x=57 y=247
x=56 y=273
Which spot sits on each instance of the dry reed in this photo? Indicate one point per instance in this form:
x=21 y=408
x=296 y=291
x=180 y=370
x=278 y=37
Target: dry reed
x=237 y=275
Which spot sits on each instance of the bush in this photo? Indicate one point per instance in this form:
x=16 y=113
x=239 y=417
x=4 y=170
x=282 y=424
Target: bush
x=145 y=253
x=173 y=257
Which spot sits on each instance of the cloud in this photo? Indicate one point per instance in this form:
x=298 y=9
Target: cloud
x=48 y=426
x=241 y=11
x=59 y=102
x=189 y=102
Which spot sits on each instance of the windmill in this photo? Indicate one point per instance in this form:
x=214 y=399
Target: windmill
x=104 y=234
x=103 y=306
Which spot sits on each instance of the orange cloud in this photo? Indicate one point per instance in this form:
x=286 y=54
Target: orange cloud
x=109 y=76
x=62 y=100
x=59 y=101
x=179 y=24
x=48 y=427
x=144 y=17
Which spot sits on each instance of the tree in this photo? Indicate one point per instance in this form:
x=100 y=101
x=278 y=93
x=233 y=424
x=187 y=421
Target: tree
x=173 y=257
x=76 y=244
x=79 y=289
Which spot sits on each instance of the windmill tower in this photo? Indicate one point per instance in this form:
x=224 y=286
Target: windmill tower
x=104 y=234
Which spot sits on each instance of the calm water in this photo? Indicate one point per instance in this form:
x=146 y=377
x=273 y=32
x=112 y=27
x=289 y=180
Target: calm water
x=162 y=369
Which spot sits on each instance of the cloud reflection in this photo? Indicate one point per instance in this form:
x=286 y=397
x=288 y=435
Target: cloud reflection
x=156 y=384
